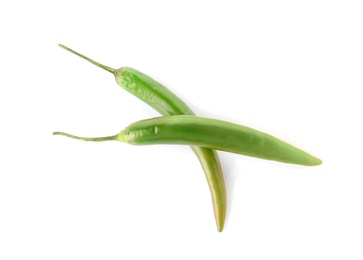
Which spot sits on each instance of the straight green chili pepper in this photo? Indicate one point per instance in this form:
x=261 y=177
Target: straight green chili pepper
x=167 y=103
x=209 y=133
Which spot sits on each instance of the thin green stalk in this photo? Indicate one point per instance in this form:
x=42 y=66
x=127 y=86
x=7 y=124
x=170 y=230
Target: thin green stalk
x=88 y=139
x=109 y=69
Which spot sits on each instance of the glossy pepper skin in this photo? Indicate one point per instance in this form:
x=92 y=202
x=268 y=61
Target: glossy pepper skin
x=214 y=134
x=167 y=103
x=209 y=133
x=151 y=92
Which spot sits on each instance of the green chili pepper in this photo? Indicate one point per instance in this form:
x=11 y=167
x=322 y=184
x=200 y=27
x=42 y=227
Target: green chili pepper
x=209 y=133
x=167 y=103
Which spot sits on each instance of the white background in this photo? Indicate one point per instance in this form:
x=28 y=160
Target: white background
x=289 y=68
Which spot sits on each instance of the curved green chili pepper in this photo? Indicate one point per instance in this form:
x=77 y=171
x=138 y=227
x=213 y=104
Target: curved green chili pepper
x=145 y=88
x=209 y=133
x=167 y=103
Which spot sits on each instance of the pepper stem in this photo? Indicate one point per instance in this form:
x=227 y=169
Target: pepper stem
x=109 y=69
x=88 y=139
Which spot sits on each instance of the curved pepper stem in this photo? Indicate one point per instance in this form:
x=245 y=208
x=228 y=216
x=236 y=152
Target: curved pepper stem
x=109 y=69
x=89 y=139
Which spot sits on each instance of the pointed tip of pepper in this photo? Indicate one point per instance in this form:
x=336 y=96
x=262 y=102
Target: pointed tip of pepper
x=220 y=227
x=319 y=162
x=315 y=162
